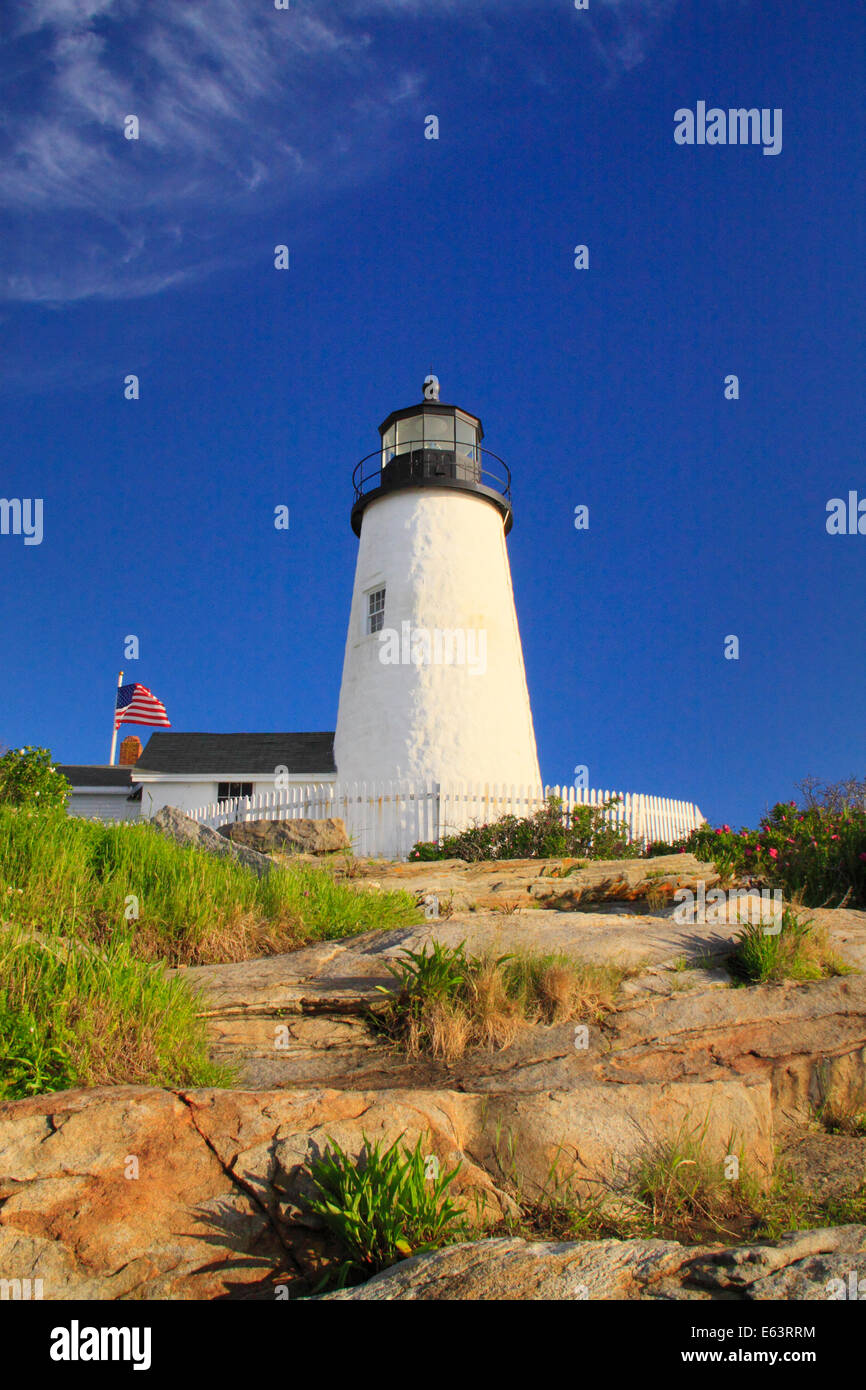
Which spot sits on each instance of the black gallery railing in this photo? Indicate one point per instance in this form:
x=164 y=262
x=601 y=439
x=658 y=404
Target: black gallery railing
x=422 y=462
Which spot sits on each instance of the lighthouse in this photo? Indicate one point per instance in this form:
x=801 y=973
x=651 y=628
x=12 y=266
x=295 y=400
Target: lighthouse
x=434 y=686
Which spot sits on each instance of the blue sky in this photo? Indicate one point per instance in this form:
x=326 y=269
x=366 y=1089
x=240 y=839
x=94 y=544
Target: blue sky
x=604 y=387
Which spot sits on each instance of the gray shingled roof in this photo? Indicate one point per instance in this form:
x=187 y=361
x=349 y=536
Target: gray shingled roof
x=96 y=775
x=227 y=754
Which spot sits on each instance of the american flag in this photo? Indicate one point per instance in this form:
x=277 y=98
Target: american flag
x=138 y=705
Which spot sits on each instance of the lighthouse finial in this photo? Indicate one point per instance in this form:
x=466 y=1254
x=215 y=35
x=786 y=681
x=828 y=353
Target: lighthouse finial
x=431 y=388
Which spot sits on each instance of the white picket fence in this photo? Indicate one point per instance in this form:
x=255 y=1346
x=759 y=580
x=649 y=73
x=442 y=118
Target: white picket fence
x=388 y=818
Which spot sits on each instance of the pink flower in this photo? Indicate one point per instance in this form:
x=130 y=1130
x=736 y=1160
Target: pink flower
x=774 y=854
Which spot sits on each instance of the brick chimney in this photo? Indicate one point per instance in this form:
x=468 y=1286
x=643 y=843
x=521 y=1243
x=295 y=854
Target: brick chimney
x=130 y=751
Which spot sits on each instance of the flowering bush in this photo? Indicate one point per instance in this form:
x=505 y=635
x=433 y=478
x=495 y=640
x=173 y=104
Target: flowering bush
x=27 y=778
x=816 y=853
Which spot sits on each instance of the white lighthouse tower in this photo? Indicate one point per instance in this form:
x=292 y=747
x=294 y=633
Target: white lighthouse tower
x=434 y=686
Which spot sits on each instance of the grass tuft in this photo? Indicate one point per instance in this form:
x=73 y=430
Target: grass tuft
x=799 y=951
x=446 y=1001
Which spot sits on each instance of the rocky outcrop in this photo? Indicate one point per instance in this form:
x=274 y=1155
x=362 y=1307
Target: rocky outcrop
x=673 y=1026
x=136 y=1192
x=562 y=884
x=186 y=831
x=809 y=1265
x=344 y=976
x=289 y=836
x=517 y=1269
x=131 y=1192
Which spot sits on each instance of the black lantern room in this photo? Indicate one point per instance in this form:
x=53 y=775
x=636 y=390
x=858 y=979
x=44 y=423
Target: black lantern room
x=432 y=445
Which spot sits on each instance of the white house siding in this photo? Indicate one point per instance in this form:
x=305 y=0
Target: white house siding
x=101 y=805
x=189 y=795
x=184 y=795
x=442 y=559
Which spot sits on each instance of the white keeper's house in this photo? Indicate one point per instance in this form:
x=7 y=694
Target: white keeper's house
x=434 y=726
x=194 y=770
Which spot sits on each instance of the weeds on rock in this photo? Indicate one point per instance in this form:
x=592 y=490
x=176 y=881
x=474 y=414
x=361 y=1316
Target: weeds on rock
x=673 y=1189
x=446 y=1001
x=800 y=950
x=384 y=1205
x=683 y=1190
x=839 y=1113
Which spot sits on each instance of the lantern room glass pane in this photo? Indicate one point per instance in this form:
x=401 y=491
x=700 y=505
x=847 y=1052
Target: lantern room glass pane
x=389 y=440
x=466 y=433
x=439 y=431
x=467 y=441
x=409 y=432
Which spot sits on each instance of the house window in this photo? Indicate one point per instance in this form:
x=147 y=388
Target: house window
x=376 y=611
x=226 y=791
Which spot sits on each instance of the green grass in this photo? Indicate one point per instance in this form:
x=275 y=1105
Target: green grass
x=799 y=951
x=384 y=1205
x=675 y=1191
x=551 y=986
x=787 y=1205
x=680 y=1189
x=843 y=1118
x=84 y=1000
x=58 y=873
x=76 y=1017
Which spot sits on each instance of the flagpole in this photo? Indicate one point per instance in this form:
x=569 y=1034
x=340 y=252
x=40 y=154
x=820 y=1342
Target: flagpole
x=114 y=721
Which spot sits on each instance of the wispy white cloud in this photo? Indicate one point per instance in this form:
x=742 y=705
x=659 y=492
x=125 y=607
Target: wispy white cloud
x=235 y=108
x=240 y=106
x=624 y=31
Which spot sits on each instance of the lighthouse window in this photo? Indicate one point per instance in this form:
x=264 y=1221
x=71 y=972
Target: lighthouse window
x=376 y=611
x=467 y=438
x=439 y=431
x=388 y=442
x=410 y=433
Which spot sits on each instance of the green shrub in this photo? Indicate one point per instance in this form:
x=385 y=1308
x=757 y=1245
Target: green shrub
x=816 y=854
x=382 y=1207
x=427 y=850
x=27 y=778
x=589 y=835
